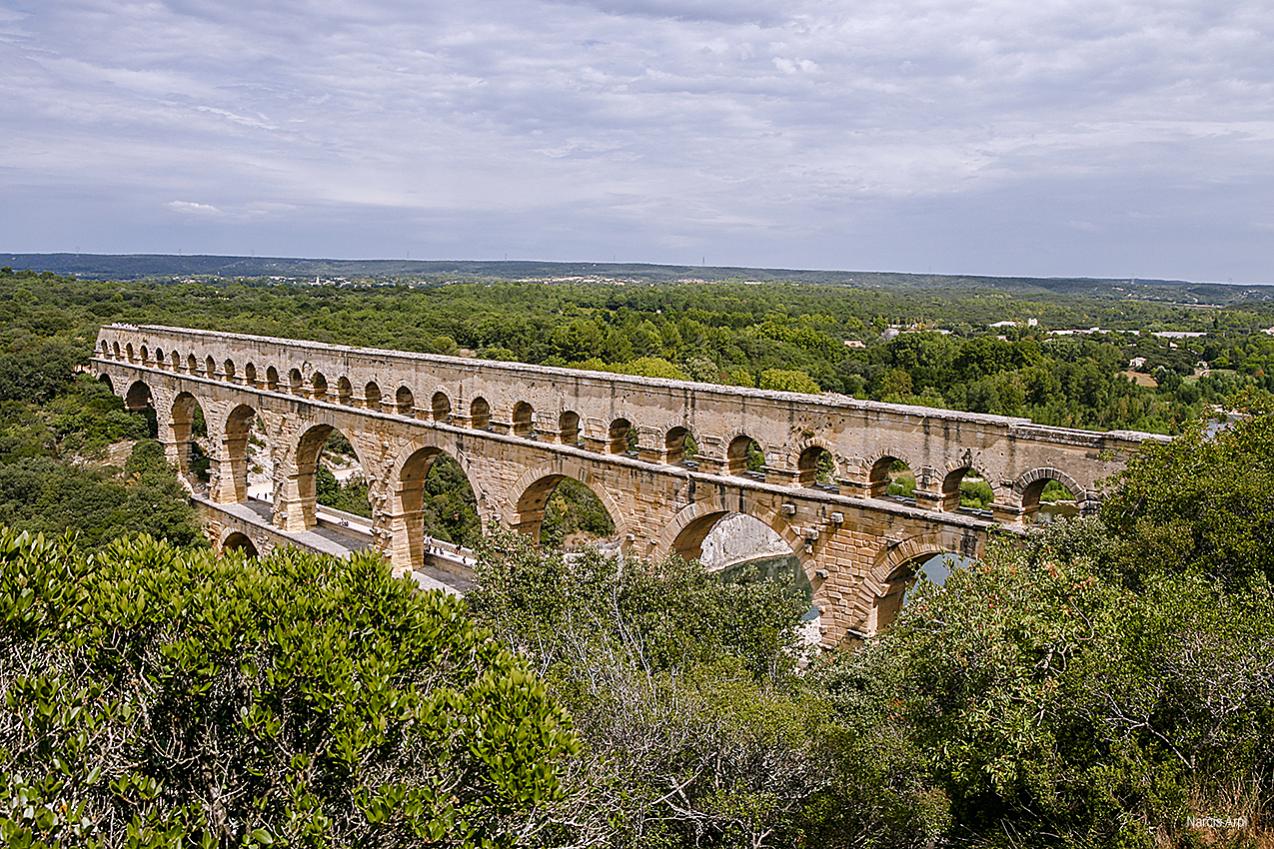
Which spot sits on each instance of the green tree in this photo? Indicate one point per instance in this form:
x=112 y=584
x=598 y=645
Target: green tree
x=160 y=697
x=789 y=380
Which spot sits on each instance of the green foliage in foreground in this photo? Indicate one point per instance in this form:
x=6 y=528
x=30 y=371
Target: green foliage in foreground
x=682 y=686
x=1046 y=704
x=161 y=698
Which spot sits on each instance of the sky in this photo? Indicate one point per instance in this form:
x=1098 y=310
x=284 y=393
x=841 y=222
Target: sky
x=1047 y=138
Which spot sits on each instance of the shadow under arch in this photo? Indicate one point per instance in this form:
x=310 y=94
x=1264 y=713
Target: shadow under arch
x=407 y=480
x=239 y=541
x=530 y=495
x=140 y=399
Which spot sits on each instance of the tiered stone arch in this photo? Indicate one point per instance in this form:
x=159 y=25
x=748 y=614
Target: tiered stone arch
x=1028 y=486
x=684 y=535
x=400 y=523
x=525 y=500
x=893 y=571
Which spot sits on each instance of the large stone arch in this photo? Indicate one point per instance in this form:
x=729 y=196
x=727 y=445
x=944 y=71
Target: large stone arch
x=525 y=501
x=233 y=468
x=893 y=571
x=401 y=520
x=179 y=439
x=295 y=497
x=684 y=535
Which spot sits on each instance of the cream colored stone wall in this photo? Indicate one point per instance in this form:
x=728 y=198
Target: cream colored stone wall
x=856 y=549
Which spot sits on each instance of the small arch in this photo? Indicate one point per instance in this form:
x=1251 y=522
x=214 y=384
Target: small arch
x=176 y=360
x=160 y=361
x=891 y=477
x=523 y=420
x=404 y=401
x=745 y=457
x=272 y=378
x=192 y=364
x=318 y=385
x=145 y=355
x=237 y=541
x=680 y=447
x=296 y=383
x=106 y=349
x=128 y=349
x=1048 y=494
x=210 y=367
x=227 y=369
x=621 y=437
x=115 y=347
x=371 y=395
x=816 y=467
x=440 y=406
x=479 y=414
x=568 y=427
x=966 y=488
x=106 y=379
x=344 y=390
x=250 y=374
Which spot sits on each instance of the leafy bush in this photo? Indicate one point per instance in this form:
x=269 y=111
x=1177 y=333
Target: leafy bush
x=157 y=697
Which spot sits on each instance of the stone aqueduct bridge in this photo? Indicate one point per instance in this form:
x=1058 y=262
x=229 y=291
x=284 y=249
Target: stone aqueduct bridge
x=517 y=430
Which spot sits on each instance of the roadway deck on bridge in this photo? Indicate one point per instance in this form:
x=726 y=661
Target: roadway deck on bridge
x=332 y=537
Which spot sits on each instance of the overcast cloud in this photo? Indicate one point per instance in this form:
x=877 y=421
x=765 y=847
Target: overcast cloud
x=1002 y=137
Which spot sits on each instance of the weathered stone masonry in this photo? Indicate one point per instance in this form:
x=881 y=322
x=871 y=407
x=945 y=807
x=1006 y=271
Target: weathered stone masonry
x=518 y=429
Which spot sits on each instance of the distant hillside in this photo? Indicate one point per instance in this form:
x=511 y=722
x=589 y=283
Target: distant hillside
x=168 y=266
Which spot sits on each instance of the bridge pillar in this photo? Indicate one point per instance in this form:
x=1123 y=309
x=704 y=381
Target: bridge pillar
x=650 y=445
x=1010 y=515
x=294 y=505
x=229 y=482
x=406 y=540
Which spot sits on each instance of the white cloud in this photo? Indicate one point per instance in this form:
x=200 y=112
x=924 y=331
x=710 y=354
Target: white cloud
x=760 y=132
x=186 y=207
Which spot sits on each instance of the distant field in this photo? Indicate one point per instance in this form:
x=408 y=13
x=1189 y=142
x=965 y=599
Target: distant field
x=136 y=266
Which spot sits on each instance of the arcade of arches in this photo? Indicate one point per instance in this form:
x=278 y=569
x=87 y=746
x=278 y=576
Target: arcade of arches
x=418 y=452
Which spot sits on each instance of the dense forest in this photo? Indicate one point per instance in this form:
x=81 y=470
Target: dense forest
x=921 y=346
x=1108 y=681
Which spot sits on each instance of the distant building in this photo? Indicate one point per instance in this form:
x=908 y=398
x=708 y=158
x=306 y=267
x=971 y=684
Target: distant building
x=997 y=325
x=1179 y=334
x=855 y=343
x=1137 y=362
